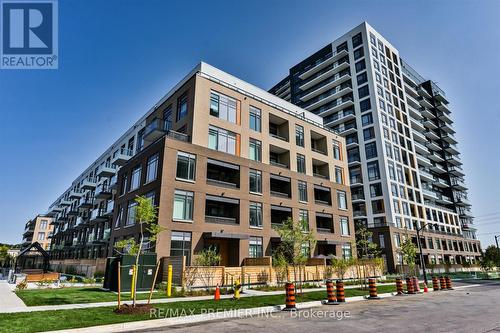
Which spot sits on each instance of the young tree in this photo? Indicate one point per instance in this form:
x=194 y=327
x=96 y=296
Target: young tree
x=341 y=266
x=409 y=251
x=490 y=258
x=204 y=264
x=146 y=216
x=366 y=247
x=296 y=244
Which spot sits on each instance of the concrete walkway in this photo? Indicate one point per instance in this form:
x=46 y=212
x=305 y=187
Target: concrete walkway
x=247 y=293
x=8 y=299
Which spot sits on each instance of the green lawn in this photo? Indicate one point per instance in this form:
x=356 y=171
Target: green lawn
x=76 y=318
x=77 y=295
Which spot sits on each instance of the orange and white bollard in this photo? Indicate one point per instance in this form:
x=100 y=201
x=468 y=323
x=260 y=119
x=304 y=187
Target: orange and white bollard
x=448 y=283
x=399 y=287
x=442 y=282
x=340 y=291
x=409 y=286
x=290 y=297
x=330 y=294
x=435 y=283
x=372 y=287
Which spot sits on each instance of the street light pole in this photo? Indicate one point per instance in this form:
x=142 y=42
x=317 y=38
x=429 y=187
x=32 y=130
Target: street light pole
x=422 y=262
x=496 y=240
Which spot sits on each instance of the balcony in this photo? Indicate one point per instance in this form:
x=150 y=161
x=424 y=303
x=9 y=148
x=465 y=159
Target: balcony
x=222 y=210
x=223 y=174
x=75 y=194
x=356 y=180
x=321 y=169
x=453 y=160
x=122 y=156
x=420 y=148
x=85 y=203
x=435 y=157
x=109 y=208
x=55 y=209
x=279 y=157
x=424 y=161
x=422 y=92
x=279 y=214
x=417 y=125
x=339 y=117
x=319 y=143
x=458 y=184
x=322 y=195
x=73 y=210
x=79 y=221
x=463 y=201
x=102 y=192
x=429 y=124
x=89 y=183
x=443 y=107
x=452 y=149
x=439 y=182
x=431 y=135
x=346 y=128
x=418 y=136
x=106 y=170
x=154 y=130
x=357 y=197
x=280 y=186
x=323 y=62
x=429 y=194
x=359 y=214
x=98 y=215
x=65 y=202
x=425 y=175
x=332 y=107
x=324 y=223
x=456 y=171
x=437 y=168
x=444 y=200
x=450 y=138
x=425 y=103
x=433 y=145
x=278 y=128
x=330 y=89
x=412 y=102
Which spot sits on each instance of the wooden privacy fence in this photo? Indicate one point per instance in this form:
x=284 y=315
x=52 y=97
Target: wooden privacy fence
x=254 y=271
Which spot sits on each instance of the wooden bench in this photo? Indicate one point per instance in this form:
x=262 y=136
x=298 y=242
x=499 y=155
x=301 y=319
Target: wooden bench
x=42 y=277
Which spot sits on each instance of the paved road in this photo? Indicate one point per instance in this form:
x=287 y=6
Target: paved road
x=474 y=309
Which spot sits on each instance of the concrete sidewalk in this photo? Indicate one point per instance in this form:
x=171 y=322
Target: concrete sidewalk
x=8 y=299
x=247 y=293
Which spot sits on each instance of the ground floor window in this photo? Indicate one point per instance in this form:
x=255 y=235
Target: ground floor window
x=255 y=248
x=346 y=251
x=180 y=245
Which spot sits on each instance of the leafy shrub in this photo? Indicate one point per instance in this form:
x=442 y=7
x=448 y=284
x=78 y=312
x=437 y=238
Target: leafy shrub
x=22 y=286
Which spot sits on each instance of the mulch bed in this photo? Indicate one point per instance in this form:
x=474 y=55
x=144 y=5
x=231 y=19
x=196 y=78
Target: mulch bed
x=138 y=309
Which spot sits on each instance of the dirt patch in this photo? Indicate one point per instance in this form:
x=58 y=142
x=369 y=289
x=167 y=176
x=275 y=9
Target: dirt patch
x=129 y=309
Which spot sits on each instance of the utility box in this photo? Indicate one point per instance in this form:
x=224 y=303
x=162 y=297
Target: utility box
x=145 y=272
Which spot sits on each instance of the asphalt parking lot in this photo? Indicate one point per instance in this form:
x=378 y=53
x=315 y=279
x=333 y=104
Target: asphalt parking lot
x=471 y=309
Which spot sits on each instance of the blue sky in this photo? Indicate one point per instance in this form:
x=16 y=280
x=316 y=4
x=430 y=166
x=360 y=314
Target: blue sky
x=117 y=58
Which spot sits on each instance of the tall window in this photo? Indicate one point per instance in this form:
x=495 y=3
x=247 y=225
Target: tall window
x=186 y=166
x=135 y=180
x=304 y=219
x=255 y=214
x=373 y=170
x=255 y=150
x=381 y=241
x=123 y=189
x=255 y=249
x=221 y=140
x=43 y=224
x=255 y=119
x=255 y=181
x=41 y=236
x=301 y=163
x=132 y=206
x=299 y=135
x=180 y=245
x=341 y=200
x=167 y=118
x=119 y=218
x=337 y=150
x=339 y=175
x=344 y=226
x=223 y=107
x=182 y=106
x=371 y=150
x=152 y=168
x=346 y=251
x=302 y=191
x=183 y=205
